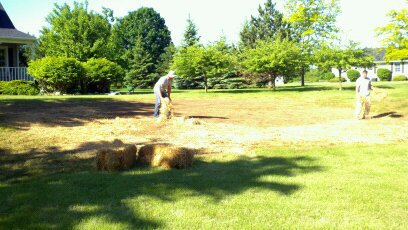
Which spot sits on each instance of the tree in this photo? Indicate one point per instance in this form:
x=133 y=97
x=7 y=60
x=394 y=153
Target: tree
x=208 y=62
x=190 y=34
x=395 y=35
x=144 y=31
x=269 y=24
x=342 y=58
x=279 y=57
x=312 y=21
x=75 y=32
x=141 y=67
x=166 y=59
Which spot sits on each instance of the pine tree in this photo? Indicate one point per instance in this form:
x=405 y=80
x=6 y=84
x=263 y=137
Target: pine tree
x=140 y=74
x=190 y=34
x=268 y=25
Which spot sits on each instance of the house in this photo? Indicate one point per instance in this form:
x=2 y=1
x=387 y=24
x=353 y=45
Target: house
x=10 y=40
x=397 y=67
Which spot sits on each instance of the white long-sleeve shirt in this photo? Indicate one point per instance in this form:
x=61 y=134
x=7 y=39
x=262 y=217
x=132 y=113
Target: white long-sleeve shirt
x=162 y=84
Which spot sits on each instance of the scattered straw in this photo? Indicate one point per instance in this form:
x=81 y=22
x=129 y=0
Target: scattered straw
x=166 y=109
x=379 y=94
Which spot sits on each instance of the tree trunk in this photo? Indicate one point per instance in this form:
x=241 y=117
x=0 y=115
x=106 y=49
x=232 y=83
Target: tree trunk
x=303 y=77
x=205 y=84
x=341 y=83
x=271 y=83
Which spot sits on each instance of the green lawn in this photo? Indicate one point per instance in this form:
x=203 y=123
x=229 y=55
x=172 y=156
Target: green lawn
x=355 y=186
x=300 y=185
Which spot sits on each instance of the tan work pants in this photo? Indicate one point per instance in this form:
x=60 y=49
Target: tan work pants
x=363 y=105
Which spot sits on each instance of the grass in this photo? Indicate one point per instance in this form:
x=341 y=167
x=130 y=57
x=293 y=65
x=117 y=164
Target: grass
x=48 y=180
x=354 y=186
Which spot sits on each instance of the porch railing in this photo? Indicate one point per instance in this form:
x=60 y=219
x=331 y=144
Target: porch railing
x=14 y=73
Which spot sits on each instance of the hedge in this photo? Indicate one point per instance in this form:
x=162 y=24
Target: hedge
x=328 y=76
x=58 y=74
x=399 y=78
x=336 y=79
x=19 y=87
x=384 y=74
x=353 y=74
x=100 y=74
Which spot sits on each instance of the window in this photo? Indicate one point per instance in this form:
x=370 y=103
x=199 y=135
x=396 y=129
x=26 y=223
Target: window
x=397 y=67
x=2 y=57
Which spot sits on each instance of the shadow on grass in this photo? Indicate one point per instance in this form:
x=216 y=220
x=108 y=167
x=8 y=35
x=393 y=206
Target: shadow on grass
x=307 y=88
x=21 y=113
x=208 y=117
x=63 y=200
x=388 y=114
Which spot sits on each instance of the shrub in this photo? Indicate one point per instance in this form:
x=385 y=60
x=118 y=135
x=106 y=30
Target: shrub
x=316 y=75
x=336 y=79
x=353 y=74
x=3 y=85
x=328 y=76
x=312 y=76
x=19 y=87
x=100 y=74
x=399 y=78
x=58 y=74
x=384 y=74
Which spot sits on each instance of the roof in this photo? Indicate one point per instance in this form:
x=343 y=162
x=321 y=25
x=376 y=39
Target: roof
x=15 y=36
x=5 y=21
x=8 y=33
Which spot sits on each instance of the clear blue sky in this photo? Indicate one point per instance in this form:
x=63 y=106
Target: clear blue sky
x=213 y=18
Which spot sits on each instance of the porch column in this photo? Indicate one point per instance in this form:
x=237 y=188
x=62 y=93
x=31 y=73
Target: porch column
x=17 y=55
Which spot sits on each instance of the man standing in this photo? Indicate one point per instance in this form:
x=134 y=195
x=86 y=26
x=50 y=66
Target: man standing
x=162 y=89
x=363 y=87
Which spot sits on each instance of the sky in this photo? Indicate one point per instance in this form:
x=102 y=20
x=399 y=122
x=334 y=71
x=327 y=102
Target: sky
x=213 y=18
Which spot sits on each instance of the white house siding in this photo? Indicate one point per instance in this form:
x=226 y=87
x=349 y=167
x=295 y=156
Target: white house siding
x=396 y=67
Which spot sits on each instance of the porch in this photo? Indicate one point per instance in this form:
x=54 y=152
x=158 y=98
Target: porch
x=10 y=41
x=14 y=73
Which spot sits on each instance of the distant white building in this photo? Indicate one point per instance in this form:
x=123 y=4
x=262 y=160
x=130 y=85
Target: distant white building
x=396 y=67
x=279 y=81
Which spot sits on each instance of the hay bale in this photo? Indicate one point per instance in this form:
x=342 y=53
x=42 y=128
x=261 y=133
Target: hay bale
x=100 y=159
x=145 y=155
x=173 y=157
x=165 y=156
x=113 y=160
x=166 y=109
x=116 y=159
x=129 y=156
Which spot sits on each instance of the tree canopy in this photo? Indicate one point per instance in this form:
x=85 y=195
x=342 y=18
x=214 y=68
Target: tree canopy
x=269 y=24
x=273 y=58
x=141 y=39
x=395 y=35
x=206 y=62
x=190 y=36
x=75 y=32
x=312 y=21
x=342 y=59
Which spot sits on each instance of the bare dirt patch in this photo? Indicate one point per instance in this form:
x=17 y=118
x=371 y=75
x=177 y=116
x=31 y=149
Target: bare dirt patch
x=42 y=137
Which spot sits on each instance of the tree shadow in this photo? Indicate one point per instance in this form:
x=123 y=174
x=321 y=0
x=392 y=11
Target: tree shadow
x=307 y=88
x=388 y=114
x=63 y=200
x=208 y=117
x=21 y=113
